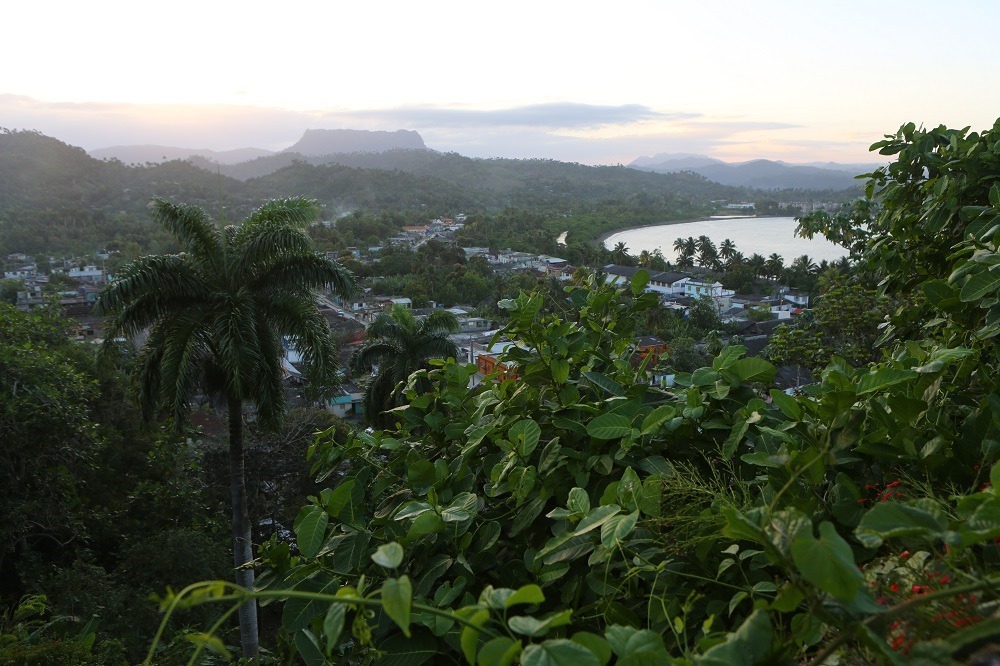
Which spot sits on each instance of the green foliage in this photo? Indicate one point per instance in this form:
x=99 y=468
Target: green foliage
x=576 y=514
x=398 y=345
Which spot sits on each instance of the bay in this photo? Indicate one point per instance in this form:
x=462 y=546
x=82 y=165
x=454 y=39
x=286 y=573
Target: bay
x=763 y=235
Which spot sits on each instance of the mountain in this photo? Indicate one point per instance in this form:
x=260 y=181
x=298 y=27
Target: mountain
x=758 y=174
x=312 y=144
x=156 y=154
x=330 y=142
x=670 y=162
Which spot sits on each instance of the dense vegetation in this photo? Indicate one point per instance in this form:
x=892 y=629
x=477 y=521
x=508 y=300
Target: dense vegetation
x=577 y=515
x=574 y=514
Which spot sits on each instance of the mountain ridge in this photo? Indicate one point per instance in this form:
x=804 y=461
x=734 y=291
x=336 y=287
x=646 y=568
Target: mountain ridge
x=759 y=174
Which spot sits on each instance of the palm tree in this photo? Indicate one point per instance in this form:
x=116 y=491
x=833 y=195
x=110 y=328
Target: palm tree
x=727 y=249
x=708 y=256
x=397 y=345
x=620 y=253
x=757 y=262
x=775 y=265
x=216 y=316
x=686 y=248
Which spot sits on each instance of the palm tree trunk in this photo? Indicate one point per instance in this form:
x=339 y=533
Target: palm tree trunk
x=242 y=543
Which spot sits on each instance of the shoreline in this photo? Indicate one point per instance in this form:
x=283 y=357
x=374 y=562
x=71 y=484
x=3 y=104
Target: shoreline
x=599 y=241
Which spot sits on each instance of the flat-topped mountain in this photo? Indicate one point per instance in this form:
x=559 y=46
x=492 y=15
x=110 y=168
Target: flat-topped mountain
x=332 y=142
x=314 y=143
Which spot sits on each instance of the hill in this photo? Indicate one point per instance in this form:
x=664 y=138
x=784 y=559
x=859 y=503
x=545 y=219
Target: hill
x=155 y=154
x=757 y=174
x=55 y=197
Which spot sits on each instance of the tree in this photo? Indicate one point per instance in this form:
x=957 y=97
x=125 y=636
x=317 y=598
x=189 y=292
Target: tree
x=217 y=314
x=397 y=345
x=708 y=256
x=774 y=265
x=620 y=254
x=727 y=249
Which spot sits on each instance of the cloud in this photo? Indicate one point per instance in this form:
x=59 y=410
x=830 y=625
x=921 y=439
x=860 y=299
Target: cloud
x=572 y=132
x=565 y=115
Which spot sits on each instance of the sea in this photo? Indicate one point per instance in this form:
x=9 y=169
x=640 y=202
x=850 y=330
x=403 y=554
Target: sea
x=763 y=235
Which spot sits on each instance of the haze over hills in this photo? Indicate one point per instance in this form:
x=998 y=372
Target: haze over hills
x=54 y=196
x=758 y=174
x=157 y=154
x=405 y=150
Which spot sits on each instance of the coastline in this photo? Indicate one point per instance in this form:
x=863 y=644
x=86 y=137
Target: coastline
x=599 y=241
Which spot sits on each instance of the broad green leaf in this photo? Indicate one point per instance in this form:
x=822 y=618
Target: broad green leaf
x=558 y=652
x=618 y=528
x=501 y=651
x=397 y=599
x=388 y=555
x=728 y=356
x=426 y=523
x=309 y=649
x=735 y=437
x=560 y=370
x=333 y=625
x=342 y=498
x=609 y=426
x=597 y=517
x=749 y=645
x=311 y=531
x=566 y=546
x=884 y=378
x=639 y=281
x=888 y=520
x=754 y=369
x=980 y=285
x=579 y=501
x=526 y=594
x=788 y=405
x=629 y=490
x=596 y=644
x=535 y=628
x=657 y=417
x=524 y=435
x=942 y=357
x=938 y=292
x=412 y=510
x=629 y=642
x=827 y=562
x=605 y=383
x=470 y=636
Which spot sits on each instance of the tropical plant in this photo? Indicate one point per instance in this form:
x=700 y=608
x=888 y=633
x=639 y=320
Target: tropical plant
x=727 y=249
x=216 y=316
x=576 y=514
x=397 y=344
x=619 y=254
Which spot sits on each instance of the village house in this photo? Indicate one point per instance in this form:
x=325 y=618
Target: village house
x=665 y=283
x=24 y=272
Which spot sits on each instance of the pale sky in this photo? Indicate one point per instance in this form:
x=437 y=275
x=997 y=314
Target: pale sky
x=591 y=82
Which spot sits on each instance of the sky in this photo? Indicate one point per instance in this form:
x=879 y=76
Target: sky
x=580 y=81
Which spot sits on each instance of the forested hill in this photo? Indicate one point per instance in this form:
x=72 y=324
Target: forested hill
x=56 y=198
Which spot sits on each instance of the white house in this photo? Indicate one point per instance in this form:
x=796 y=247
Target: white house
x=660 y=282
x=21 y=272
